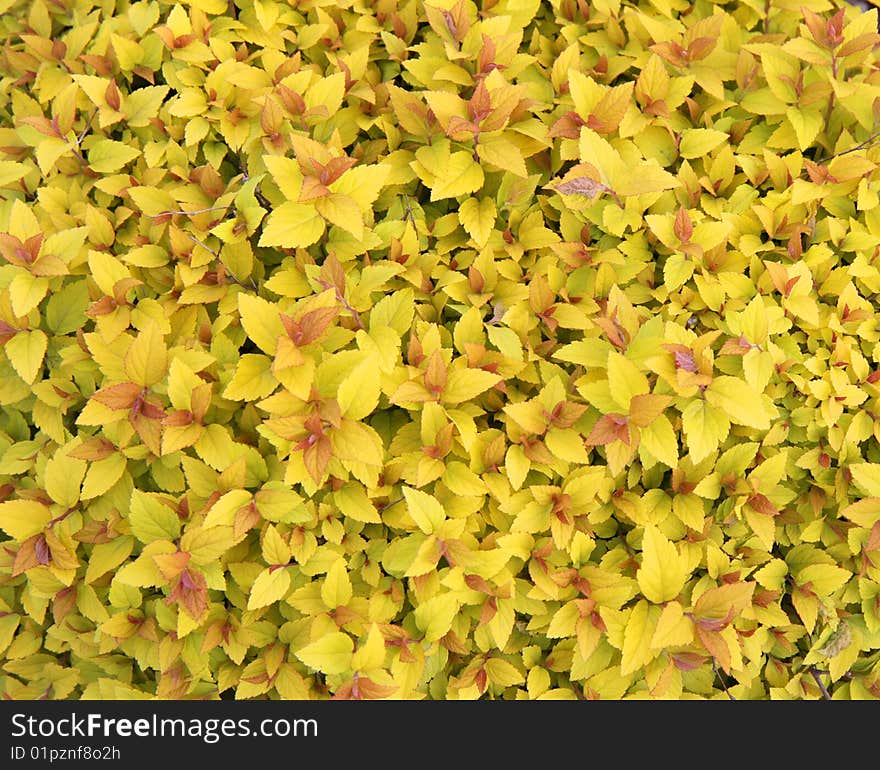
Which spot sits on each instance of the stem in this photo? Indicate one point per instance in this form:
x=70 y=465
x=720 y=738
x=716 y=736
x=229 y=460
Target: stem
x=766 y=17
x=815 y=674
x=216 y=255
x=188 y=213
x=409 y=212
x=261 y=199
x=82 y=134
x=867 y=143
x=721 y=679
x=833 y=93
x=61 y=517
x=350 y=309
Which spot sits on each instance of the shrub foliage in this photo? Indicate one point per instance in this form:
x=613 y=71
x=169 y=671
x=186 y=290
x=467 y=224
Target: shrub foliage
x=439 y=349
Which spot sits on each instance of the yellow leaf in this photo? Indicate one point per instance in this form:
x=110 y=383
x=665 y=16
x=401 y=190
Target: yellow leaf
x=129 y=53
x=147 y=359
x=206 y=545
x=141 y=105
x=645 y=178
x=516 y=465
x=663 y=571
x=292 y=225
x=637 y=650
x=102 y=475
x=22 y=518
x=673 y=628
x=567 y=444
x=279 y=503
x=26 y=291
x=689 y=511
x=253 y=379
x=455 y=174
x=275 y=550
x=223 y=510
x=151 y=519
x=597 y=152
x=151 y=200
x=699 y=142
x=762 y=525
x=25 y=352
x=261 y=320
x=62 y=477
x=108 y=556
x=336 y=590
x=342 y=211
x=625 y=379
x=477 y=216
x=660 y=441
x=363 y=184
x=144 y=571
x=358 y=394
x=427 y=513
x=824 y=579
x=10 y=172
x=434 y=617
x=704 y=428
x=866 y=477
x=371 y=654
x=270 y=586
x=564 y=621
x=287 y=175
x=718 y=603
x=357 y=442
x=806 y=124
x=107 y=156
x=290 y=684
x=501 y=152
x=502 y=674
x=466 y=384
x=354 y=503
x=327 y=93
x=331 y=654
x=739 y=402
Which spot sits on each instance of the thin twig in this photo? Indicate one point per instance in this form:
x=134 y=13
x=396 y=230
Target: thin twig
x=216 y=255
x=868 y=142
x=721 y=679
x=187 y=213
x=409 y=212
x=261 y=199
x=82 y=134
x=815 y=674
x=350 y=309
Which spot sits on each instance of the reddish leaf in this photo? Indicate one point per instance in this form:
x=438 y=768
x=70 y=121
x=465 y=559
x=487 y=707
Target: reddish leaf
x=120 y=396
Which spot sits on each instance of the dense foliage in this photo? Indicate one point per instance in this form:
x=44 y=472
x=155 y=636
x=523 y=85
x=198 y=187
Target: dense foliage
x=439 y=349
